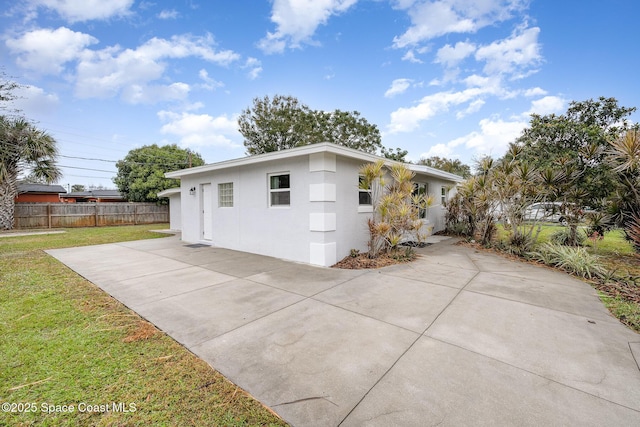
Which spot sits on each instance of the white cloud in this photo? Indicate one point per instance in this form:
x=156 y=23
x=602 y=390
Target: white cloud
x=112 y=70
x=209 y=83
x=473 y=107
x=85 y=10
x=434 y=18
x=34 y=101
x=492 y=139
x=151 y=94
x=46 y=51
x=398 y=86
x=408 y=119
x=254 y=66
x=440 y=150
x=536 y=91
x=513 y=54
x=297 y=21
x=546 y=105
x=411 y=57
x=168 y=14
x=450 y=56
x=198 y=130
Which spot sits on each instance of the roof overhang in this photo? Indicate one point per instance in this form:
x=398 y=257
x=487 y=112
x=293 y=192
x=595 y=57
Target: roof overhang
x=169 y=192
x=324 y=147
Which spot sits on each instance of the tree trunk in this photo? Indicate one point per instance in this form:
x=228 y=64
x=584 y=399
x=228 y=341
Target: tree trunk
x=8 y=192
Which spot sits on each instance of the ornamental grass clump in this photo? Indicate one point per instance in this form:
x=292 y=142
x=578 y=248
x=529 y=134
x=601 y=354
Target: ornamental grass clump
x=575 y=260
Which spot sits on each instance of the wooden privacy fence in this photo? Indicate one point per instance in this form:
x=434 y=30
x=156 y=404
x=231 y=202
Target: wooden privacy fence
x=61 y=215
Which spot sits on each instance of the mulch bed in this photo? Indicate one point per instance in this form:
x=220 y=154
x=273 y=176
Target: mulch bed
x=362 y=261
x=624 y=290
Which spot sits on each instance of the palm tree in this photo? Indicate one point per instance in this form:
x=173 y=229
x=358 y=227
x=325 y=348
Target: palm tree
x=23 y=148
x=624 y=157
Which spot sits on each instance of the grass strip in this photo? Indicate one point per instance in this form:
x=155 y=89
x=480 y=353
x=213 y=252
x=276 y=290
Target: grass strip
x=72 y=355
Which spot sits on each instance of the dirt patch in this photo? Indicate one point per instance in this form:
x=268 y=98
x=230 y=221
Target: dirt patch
x=143 y=331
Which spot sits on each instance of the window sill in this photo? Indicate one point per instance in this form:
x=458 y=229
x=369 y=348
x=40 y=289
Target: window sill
x=365 y=209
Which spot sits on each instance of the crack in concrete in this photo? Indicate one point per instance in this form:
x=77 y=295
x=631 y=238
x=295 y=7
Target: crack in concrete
x=305 y=400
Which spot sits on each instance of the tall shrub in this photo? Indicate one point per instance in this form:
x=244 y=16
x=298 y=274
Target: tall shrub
x=395 y=215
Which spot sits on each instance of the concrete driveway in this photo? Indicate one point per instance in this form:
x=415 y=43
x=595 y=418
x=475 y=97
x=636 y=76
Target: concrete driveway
x=458 y=337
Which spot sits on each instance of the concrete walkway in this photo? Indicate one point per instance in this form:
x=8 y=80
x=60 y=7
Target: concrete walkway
x=458 y=337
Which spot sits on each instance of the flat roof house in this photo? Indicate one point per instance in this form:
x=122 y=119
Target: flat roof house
x=39 y=193
x=93 y=196
x=303 y=204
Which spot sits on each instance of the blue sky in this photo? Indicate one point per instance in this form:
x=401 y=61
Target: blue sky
x=455 y=78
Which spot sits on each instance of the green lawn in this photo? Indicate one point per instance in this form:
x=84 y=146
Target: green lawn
x=72 y=355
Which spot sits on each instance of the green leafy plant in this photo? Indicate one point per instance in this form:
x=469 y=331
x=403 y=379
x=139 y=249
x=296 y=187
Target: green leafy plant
x=575 y=260
x=565 y=237
x=396 y=208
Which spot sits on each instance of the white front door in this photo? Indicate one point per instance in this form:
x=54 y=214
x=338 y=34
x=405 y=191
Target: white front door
x=206 y=218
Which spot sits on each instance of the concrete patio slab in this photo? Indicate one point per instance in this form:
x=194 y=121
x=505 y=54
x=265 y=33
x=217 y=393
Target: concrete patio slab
x=407 y=303
x=97 y=264
x=316 y=279
x=196 y=255
x=155 y=287
x=316 y=368
x=194 y=317
x=426 y=271
x=579 y=298
x=592 y=356
x=245 y=266
x=441 y=384
x=457 y=337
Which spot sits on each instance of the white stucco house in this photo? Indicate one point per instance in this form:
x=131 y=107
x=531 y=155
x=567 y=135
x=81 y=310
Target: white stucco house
x=303 y=204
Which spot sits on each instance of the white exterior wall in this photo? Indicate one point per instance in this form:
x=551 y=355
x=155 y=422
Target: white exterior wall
x=251 y=225
x=353 y=231
x=321 y=225
x=175 y=212
x=436 y=213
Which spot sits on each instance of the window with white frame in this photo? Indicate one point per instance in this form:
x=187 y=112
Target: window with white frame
x=364 y=194
x=421 y=189
x=225 y=195
x=444 y=195
x=279 y=190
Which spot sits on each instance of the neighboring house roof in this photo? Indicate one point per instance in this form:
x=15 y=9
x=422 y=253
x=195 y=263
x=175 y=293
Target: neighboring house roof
x=40 y=188
x=324 y=147
x=169 y=192
x=103 y=194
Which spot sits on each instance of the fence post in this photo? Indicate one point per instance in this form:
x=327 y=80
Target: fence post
x=95 y=213
x=135 y=214
x=48 y=215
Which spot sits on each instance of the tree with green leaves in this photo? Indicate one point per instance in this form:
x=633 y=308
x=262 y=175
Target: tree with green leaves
x=574 y=146
x=448 y=165
x=570 y=150
x=141 y=173
x=24 y=149
x=274 y=124
x=399 y=155
x=283 y=122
